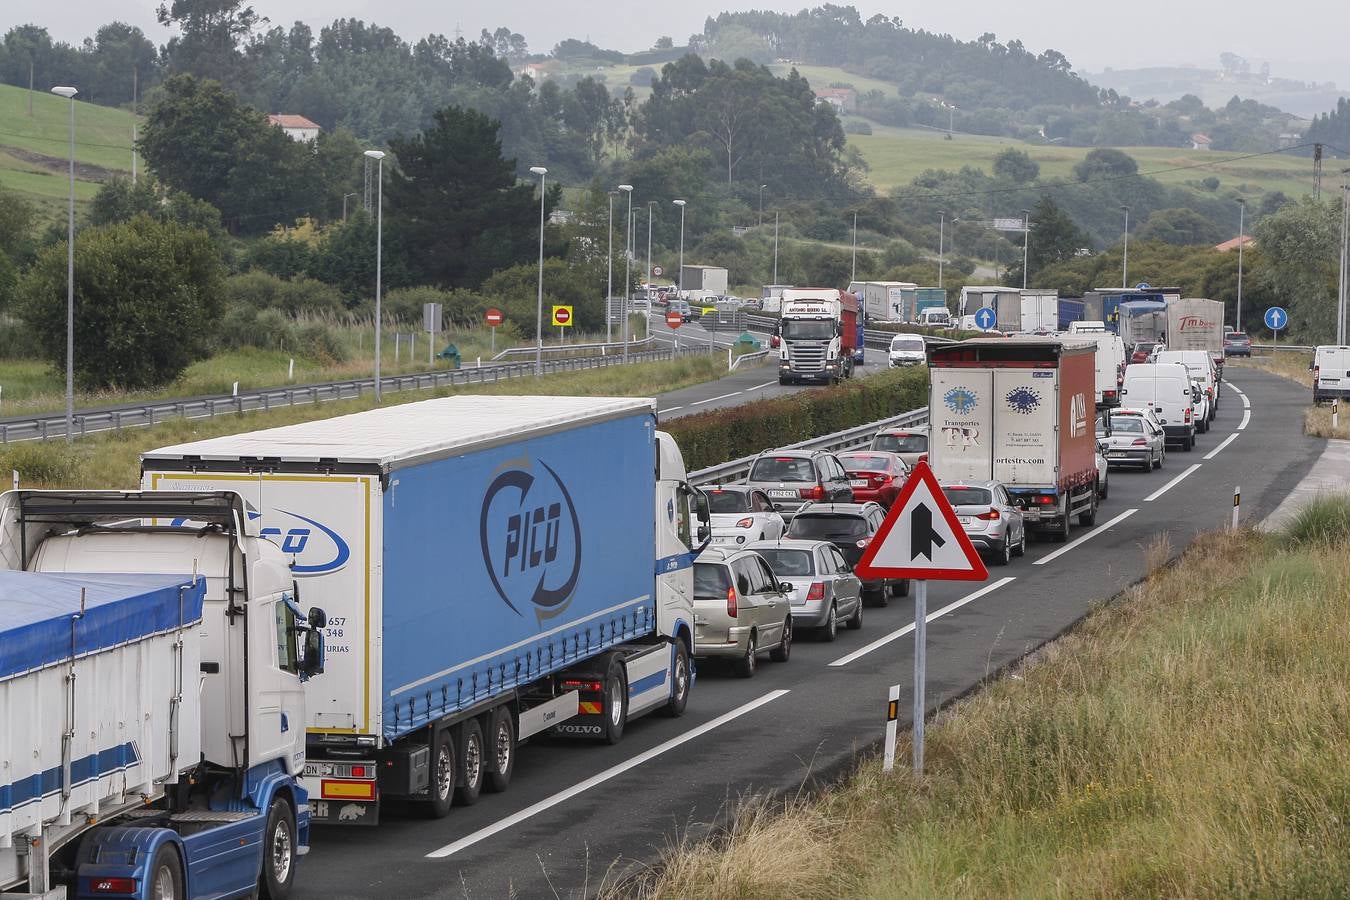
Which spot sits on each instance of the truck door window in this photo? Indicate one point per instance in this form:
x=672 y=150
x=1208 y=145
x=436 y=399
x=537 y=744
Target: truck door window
x=683 y=498
x=288 y=654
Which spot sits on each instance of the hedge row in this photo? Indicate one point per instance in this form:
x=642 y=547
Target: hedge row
x=721 y=435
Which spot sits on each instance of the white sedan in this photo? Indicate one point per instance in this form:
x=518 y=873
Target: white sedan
x=741 y=514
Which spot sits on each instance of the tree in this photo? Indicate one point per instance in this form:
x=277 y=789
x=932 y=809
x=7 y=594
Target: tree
x=1054 y=238
x=1017 y=166
x=457 y=204
x=665 y=43
x=1178 y=226
x=212 y=31
x=1299 y=254
x=1105 y=163
x=17 y=216
x=148 y=296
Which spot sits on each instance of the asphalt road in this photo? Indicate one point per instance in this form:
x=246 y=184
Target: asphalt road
x=576 y=813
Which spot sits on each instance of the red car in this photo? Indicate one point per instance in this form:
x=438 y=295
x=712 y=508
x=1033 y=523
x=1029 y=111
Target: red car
x=1144 y=352
x=874 y=475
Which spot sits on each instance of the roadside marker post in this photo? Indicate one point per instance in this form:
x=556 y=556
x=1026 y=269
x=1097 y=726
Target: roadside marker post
x=1237 y=505
x=1335 y=414
x=892 y=715
x=922 y=540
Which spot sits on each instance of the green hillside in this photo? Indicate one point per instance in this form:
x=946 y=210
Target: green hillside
x=34 y=149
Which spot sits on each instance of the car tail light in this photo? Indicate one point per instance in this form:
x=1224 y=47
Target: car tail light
x=817 y=592
x=1138 y=442
x=747 y=522
x=812 y=493
x=1045 y=499
x=1106 y=394
x=112 y=886
x=923 y=457
x=731 y=601
x=863 y=542
x=990 y=516
x=1187 y=414
x=879 y=480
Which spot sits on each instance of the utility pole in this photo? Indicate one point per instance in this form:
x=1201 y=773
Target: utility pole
x=1345 y=261
x=135 y=111
x=942 y=227
x=1026 y=244
x=1125 y=258
x=775 y=247
x=1242 y=224
x=1317 y=170
x=609 y=266
x=854 y=275
x=30 y=85
x=761 y=205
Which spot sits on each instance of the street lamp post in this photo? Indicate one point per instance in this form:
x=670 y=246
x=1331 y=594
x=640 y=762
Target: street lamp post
x=344 y=204
x=1125 y=257
x=761 y=204
x=609 y=265
x=853 y=276
x=681 y=205
x=1026 y=243
x=1344 y=294
x=69 y=93
x=378 y=156
x=775 y=247
x=651 y=206
x=539 y=307
x=1242 y=224
x=627 y=268
x=942 y=229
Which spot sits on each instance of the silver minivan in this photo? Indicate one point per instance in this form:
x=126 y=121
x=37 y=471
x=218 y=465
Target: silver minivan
x=741 y=609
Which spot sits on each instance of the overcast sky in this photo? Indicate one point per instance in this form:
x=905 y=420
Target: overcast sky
x=1301 y=39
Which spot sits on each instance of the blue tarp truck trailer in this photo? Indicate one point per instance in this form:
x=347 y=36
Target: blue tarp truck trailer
x=493 y=568
x=146 y=749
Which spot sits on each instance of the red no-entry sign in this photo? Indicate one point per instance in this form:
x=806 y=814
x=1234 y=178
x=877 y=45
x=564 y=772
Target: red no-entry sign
x=674 y=319
x=494 y=317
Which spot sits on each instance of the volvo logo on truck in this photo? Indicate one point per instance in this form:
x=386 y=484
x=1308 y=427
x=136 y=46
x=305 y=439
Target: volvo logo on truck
x=531 y=539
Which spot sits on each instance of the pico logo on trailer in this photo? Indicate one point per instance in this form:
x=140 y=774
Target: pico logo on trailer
x=530 y=537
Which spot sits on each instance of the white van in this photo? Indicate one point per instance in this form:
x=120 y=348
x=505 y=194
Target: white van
x=1110 y=362
x=1201 y=366
x=1166 y=389
x=935 y=317
x=908 y=350
x=1331 y=373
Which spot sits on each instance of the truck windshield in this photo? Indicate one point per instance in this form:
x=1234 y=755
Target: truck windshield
x=808 y=329
x=720 y=501
x=788 y=563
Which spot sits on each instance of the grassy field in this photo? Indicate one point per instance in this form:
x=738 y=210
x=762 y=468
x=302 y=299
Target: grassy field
x=110 y=459
x=897 y=155
x=1190 y=739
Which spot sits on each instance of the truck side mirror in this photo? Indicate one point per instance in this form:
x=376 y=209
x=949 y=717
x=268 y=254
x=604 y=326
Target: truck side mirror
x=313 y=662
x=317 y=618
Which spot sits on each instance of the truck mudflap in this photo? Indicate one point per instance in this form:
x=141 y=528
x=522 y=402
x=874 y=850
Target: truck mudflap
x=342 y=792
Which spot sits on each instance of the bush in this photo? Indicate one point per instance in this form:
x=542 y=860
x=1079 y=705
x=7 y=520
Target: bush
x=1323 y=522
x=262 y=290
x=709 y=438
x=319 y=343
x=46 y=462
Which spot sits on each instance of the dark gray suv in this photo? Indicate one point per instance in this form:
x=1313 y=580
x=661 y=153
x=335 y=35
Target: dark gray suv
x=793 y=477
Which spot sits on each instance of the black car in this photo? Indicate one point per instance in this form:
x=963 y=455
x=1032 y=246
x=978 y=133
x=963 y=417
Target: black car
x=850 y=527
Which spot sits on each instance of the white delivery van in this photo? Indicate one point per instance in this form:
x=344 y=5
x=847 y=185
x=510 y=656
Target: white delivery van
x=1166 y=389
x=1203 y=373
x=1331 y=373
x=935 y=317
x=908 y=350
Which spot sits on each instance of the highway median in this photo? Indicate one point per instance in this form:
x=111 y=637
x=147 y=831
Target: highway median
x=1188 y=738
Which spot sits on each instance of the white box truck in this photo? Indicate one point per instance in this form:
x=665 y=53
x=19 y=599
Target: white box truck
x=703 y=282
x=885 y=301
x=152 y=712
x=493 y=568
x=1196 y=324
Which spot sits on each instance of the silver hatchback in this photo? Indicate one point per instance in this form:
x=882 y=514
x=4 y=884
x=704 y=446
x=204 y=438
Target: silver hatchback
x=989 y=518
x=824 y=591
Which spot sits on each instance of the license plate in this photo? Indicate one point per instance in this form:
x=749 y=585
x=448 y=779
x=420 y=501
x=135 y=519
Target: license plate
x=965 y=520
x=782 y=493
x=1116 y=453
x=858 y=482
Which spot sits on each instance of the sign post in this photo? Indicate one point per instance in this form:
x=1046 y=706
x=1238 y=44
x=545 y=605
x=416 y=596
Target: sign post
x=709 y=311
x=921 y=539
x=493 y=317
x=562 y=317
x=1277 y=318
x=432 y=318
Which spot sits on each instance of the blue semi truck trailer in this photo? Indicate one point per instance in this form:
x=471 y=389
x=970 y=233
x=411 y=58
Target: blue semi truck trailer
x=493 y=568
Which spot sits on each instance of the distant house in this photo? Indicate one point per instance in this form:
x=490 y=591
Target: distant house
x=561 y=217
x=538 y=71
x=1242 y=240
x=1290 y=139
x=844 y=100
x=1200 y=142
x=297 y=128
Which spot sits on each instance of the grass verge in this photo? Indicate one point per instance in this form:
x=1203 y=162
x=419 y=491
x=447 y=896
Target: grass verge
x=112 y=459
x=1190 y=739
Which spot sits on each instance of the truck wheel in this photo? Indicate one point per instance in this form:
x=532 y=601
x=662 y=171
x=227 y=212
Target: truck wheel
x=1062 y=534
x=441 y=789
x=278 y=864
x=616 y=701
x=679 y=676
x=474 y=757
x=783 y=651
x=502 y=744
x=745 y=666
x=1089 y=518
x=166 y=878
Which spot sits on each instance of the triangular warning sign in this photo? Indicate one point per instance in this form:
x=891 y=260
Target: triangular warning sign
x=921 y=537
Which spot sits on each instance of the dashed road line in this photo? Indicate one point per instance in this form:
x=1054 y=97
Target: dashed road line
x=1050 y=557
x=1171 y=484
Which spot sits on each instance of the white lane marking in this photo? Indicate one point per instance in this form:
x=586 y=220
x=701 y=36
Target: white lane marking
x=662 y=412
x=901 y=632
x=711 y=399
x=1050 y=557
x=600 y=778
x=1224 y=443
x=1171 y=484
x=1246 y=417
x=764 y=385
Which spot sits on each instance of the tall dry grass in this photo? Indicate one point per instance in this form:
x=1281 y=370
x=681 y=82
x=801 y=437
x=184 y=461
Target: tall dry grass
x=1190 y=739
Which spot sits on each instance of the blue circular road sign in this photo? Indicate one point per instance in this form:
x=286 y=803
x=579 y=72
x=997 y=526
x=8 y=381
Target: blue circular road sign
x=985 y=318
x=1277 y=318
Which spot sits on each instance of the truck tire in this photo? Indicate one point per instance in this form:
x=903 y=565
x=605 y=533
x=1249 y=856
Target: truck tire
x=441 y=786
x=616 y=701
x=501 y=742
x=1061 y=535
x=166 y=875
x=679 y=676
x=1089 y=518
x=473 y=763
x=278 y=863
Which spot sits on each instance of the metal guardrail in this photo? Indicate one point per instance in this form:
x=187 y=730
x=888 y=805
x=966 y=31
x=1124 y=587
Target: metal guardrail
x=1303 y=347
x=848 y=439
x=603 y=348
x=753 y=356
x=48 y=427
